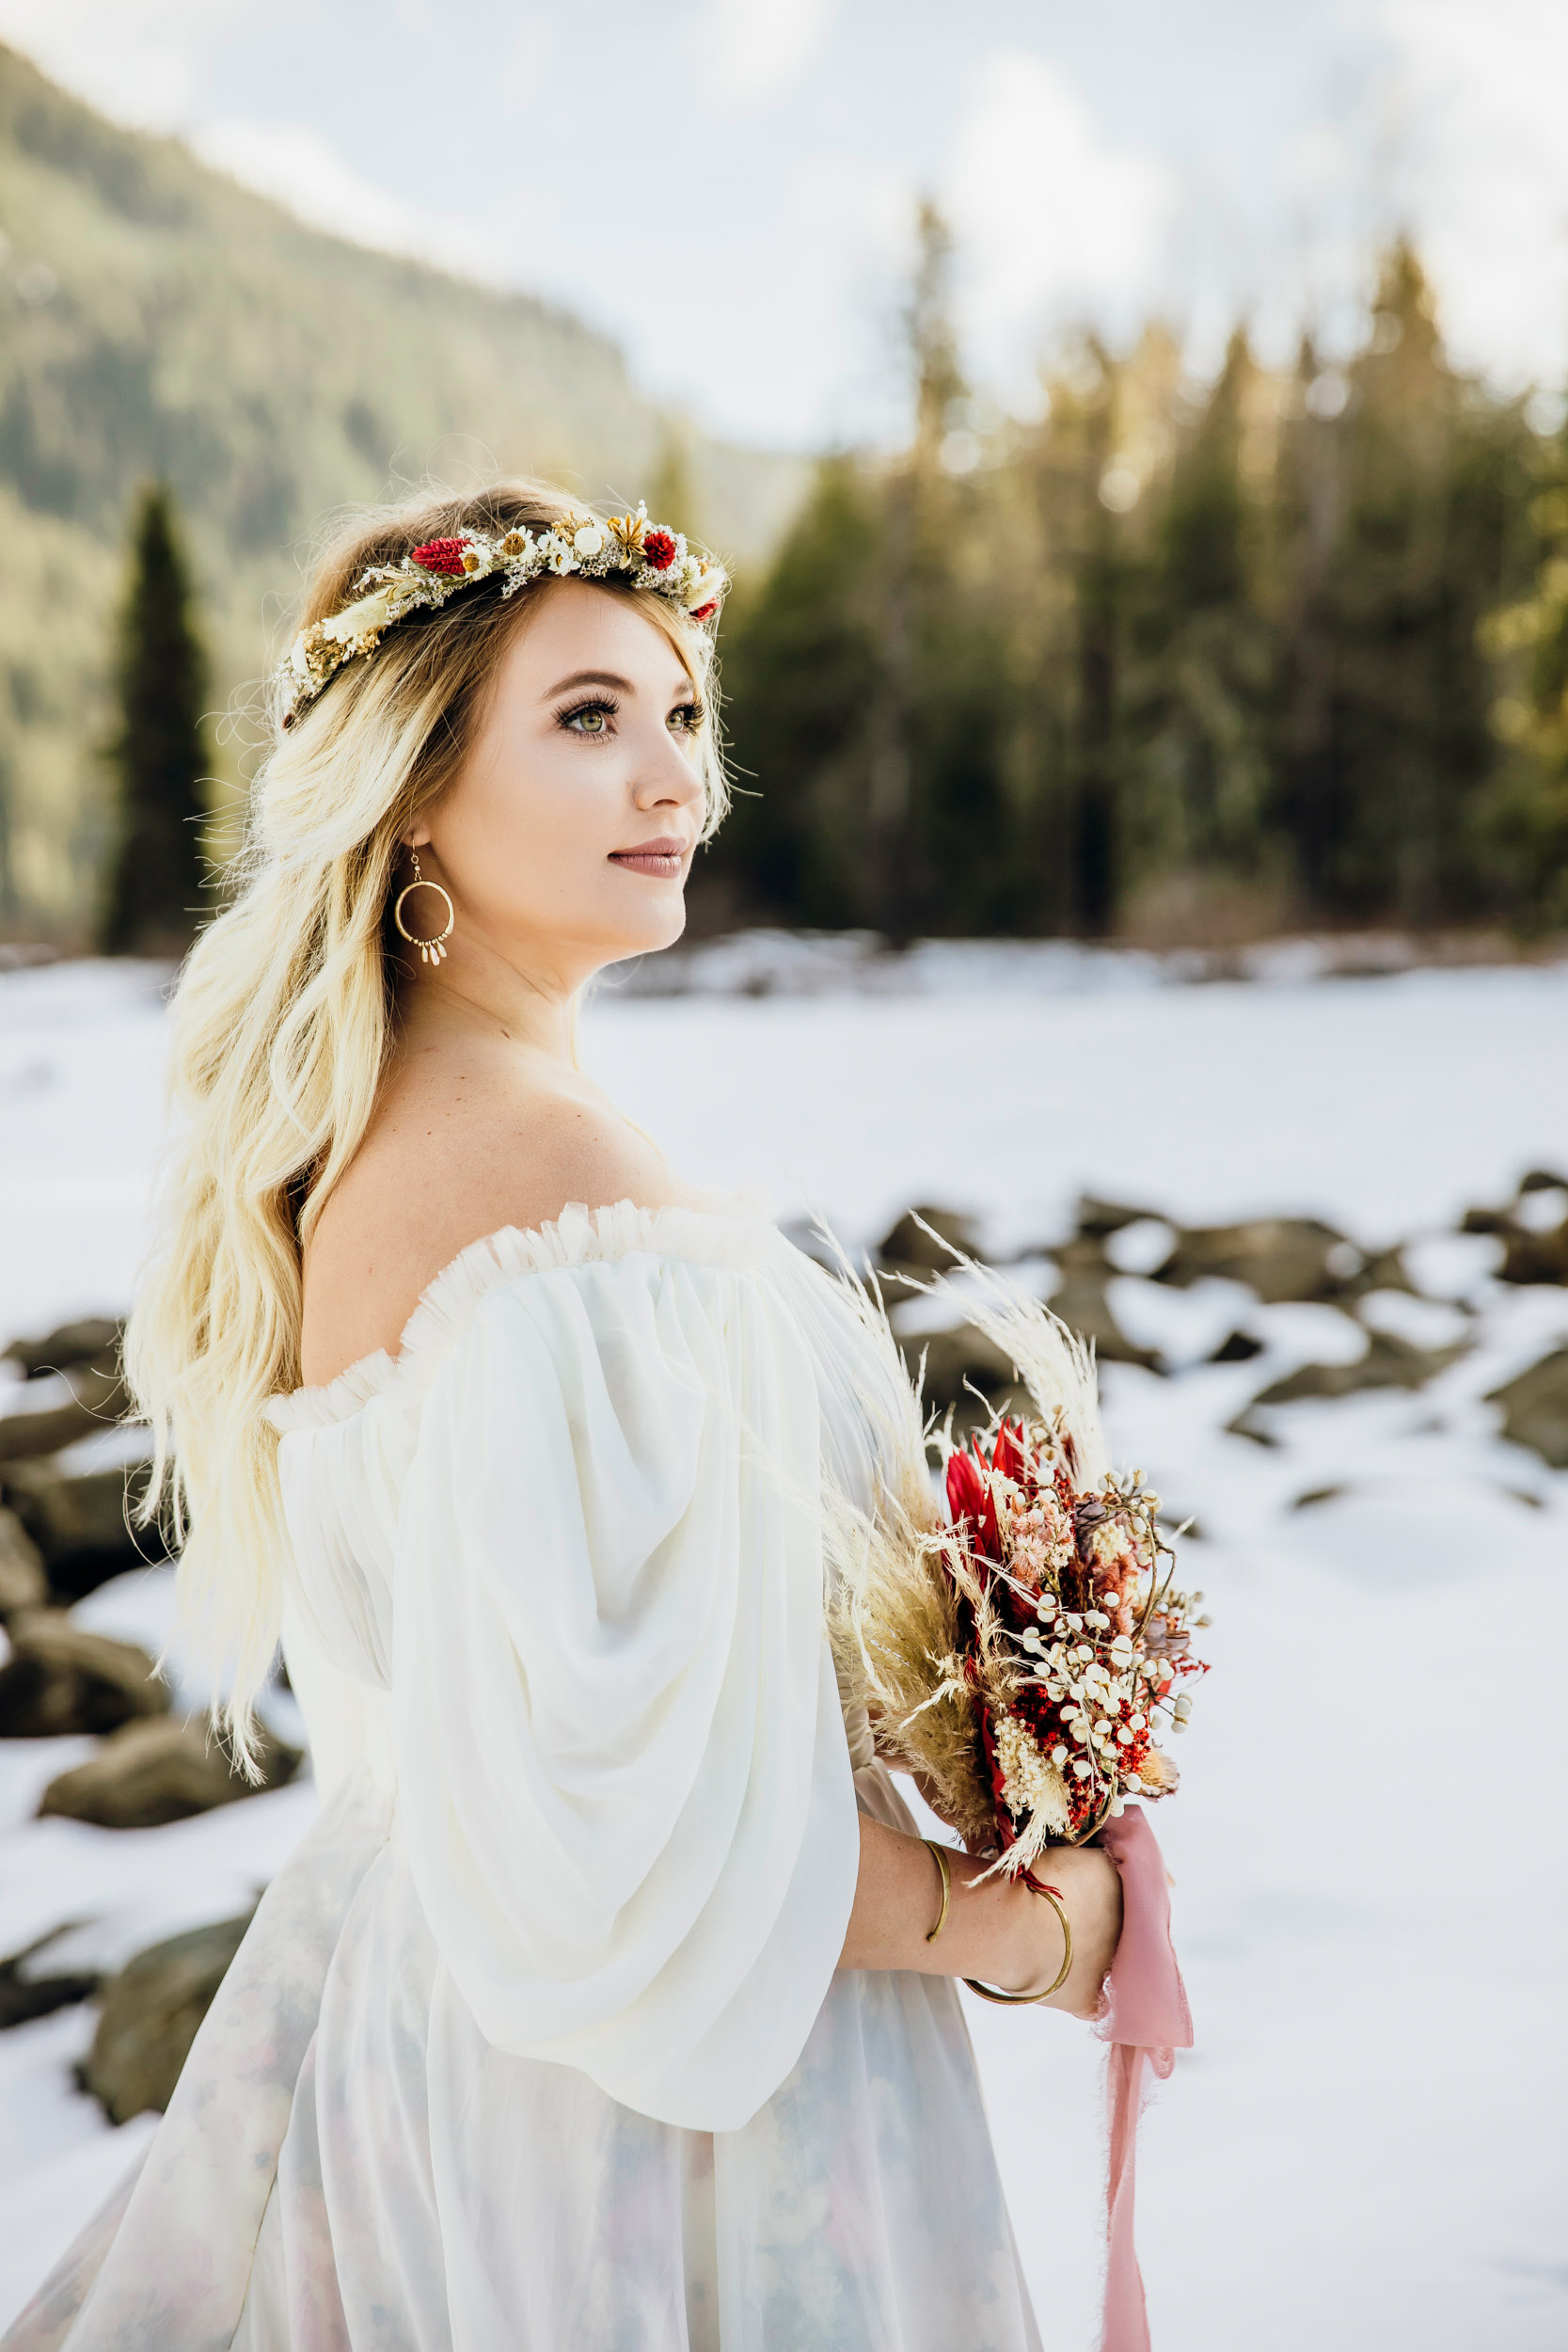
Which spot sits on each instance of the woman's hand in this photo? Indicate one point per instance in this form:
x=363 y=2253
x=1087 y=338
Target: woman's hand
x=996 y=1929
x=1090 y=1888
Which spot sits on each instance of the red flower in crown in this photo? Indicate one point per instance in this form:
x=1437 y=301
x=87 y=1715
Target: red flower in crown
x=658 y=550
x=706 y=611
x=442 y=555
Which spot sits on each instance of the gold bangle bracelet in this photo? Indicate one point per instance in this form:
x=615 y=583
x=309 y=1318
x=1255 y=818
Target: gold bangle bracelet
x=1011 y=2000
x=940 y=1855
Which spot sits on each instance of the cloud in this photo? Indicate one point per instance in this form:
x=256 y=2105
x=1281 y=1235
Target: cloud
x=751 y=51
x=796 y=346
x=300 y=167
x=1473 y=126
x=1054 y=222
x=144 y=64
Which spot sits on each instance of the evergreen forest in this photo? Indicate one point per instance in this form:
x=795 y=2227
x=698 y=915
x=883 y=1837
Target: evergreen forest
x=1170 y=660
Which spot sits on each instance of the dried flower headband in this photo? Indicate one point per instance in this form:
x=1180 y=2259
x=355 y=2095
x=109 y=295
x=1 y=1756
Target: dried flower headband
x=642 y=553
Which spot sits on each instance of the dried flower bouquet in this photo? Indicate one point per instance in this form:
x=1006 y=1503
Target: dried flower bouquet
x=1019 y=1653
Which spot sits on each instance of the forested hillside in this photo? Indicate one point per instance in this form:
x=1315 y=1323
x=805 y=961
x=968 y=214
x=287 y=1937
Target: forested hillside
x=156 y=321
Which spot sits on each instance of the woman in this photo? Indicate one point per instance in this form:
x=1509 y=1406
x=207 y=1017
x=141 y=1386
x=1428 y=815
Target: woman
x=607 y=2005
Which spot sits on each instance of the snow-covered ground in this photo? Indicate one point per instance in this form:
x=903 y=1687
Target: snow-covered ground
x=1365 y=2149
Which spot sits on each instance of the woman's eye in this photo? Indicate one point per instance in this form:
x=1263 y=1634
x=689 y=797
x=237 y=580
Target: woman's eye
x=687 y=718
x=593 y=719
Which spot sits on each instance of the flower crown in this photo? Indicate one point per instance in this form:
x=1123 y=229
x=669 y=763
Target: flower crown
x=643 y=553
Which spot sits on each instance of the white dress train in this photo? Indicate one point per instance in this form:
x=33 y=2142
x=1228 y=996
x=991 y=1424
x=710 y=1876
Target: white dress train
x=537 y=2040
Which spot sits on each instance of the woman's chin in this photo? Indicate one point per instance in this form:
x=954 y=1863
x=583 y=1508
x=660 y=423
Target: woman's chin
x=661 y=927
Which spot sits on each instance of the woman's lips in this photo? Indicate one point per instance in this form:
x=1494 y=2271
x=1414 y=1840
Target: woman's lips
x=665 y=857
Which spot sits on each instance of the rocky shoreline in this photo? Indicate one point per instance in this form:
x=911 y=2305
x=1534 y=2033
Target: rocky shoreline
x=72 y=1467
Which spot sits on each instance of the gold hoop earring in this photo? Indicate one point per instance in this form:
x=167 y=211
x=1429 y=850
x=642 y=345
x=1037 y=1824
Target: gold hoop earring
x=431 y=950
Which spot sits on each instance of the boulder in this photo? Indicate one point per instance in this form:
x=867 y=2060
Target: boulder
x=1281 y=1258
x=151 y=2015
x=80 y=1343
x=1388 y=1363
x=1080 y=1301
x=906 y=1249
x=25 y=1996
x=79 y=1515
x=1099 y=1219
x=1535 y=1409
x=1238 y=1348
x=1535 y=1257
x=23 y=1583
x=153 y=1771
x=96 y=1400
x=1528 y=1255
x=957 y=1362
x=60 y=1678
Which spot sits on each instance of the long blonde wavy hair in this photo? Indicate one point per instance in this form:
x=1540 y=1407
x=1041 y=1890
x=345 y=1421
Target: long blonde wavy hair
x=283 y=1018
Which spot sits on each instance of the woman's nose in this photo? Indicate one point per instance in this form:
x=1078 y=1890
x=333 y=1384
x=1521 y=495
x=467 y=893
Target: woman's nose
x=668 y=777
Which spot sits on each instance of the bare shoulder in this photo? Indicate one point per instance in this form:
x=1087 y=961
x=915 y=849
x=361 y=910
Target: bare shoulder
x=455 y=1153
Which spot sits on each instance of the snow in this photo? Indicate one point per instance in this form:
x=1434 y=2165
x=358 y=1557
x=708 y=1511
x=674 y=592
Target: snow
x=1364 y=2148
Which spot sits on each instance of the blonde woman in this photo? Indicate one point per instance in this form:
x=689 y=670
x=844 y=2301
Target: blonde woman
x=607 y=2005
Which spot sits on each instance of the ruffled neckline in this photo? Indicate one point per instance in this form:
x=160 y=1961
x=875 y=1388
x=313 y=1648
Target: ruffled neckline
x=737 y=1232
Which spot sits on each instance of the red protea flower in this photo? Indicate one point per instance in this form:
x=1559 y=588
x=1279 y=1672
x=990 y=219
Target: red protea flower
x=658 y=550
x=442 y=555
x=706 y=611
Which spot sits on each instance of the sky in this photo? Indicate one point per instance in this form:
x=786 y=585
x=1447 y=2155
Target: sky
x=729 y=187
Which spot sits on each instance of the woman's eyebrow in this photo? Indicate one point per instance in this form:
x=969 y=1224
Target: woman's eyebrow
x=593 y=677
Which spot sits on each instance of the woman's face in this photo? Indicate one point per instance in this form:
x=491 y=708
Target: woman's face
x=567 y=833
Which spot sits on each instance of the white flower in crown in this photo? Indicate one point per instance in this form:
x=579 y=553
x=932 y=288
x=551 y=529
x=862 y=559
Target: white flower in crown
x=589 y=541
x=703 y=591
x=370 y=614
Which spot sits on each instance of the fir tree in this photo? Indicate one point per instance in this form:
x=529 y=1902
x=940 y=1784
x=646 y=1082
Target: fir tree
x=157 y=753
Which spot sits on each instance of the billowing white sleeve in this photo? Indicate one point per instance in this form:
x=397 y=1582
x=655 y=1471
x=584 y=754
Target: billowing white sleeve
x=622 y=1768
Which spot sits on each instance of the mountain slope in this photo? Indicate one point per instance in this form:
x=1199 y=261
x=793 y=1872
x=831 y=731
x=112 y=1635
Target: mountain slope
x=156 y=319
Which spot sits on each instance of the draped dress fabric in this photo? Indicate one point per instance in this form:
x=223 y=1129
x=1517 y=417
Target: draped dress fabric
x=538 y=2042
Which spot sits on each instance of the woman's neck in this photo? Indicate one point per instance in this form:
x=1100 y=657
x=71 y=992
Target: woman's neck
x=476 y=993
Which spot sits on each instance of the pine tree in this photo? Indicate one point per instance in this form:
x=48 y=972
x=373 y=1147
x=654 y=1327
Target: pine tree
x=801 y=660
x=157 y=754
x=1203 y=660
x=1411 y=545
x=1524 y=824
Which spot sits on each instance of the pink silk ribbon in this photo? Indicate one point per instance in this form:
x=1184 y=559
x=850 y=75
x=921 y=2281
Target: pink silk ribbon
x=1145 y=2018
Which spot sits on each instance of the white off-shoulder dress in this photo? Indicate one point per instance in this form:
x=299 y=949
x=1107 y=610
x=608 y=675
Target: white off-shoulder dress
x=537 y=2043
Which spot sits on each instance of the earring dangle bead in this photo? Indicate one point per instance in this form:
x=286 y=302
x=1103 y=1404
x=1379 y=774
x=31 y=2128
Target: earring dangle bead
x=431 y=950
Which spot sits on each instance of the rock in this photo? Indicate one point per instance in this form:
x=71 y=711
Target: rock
x=1535 y=1257
x=96 y=1402
x=60 y=1678
x=1080 y=1301
x=1281 y=1257
x=953 y=1361
x=1239 y=1348
x=150 y=1773
x=1535 y=1409
x=1099 y=1219
x=906 y=1247
x=151 y=2015
x=23 y=1583
x=93 y=1336
x=1388 y=1363
x=1383 y=1270
x=1528 y=1255
x=78 y=1516
x=23 y=1997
